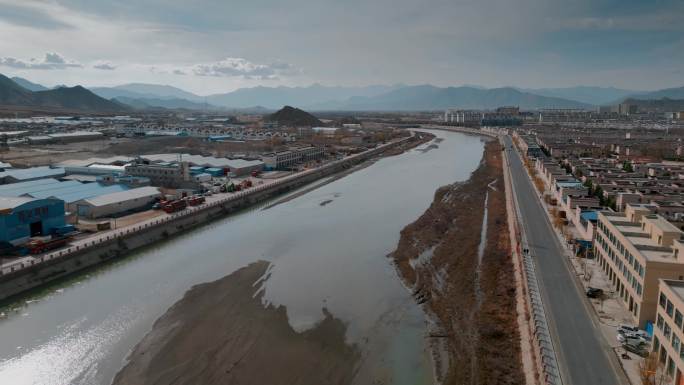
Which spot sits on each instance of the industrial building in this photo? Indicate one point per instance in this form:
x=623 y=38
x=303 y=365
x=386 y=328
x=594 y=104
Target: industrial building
x=234 y=167
x=172 y=175
x=118 y=203
x=29 y=174
x=287 y=159
x=23 y=217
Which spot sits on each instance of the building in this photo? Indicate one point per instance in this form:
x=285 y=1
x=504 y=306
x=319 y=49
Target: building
x=23 y=217
x=667 y=333
x=117 y=203
x=29 y=174
x=635 y=249
x=239 y=167
x=288 y=159
x=162 y=174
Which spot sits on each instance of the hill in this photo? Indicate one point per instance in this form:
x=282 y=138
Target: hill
x=28 y=84
x=151 y=103
x=427 y=97
x=670 y=93
x=584 y=94
x=146 y=91
x=275 y=97
x=64 y=98
x=657 y=105
x=293 y=117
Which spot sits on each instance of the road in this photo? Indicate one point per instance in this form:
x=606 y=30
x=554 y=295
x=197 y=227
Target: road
x=580 y=348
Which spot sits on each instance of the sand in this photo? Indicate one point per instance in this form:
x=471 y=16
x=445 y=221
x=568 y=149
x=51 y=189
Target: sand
x=221 y=333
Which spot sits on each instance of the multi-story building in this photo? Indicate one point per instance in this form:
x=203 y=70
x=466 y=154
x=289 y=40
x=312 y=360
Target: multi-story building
x=635 y=249
x=287 y=159
x=668 y=333
x=170 y=175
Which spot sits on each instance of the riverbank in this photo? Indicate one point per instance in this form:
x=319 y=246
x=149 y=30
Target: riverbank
x=102 y=247
x=458 y=265
x=221 y=333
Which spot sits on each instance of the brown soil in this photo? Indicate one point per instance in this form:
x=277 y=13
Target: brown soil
x=220 y=333
x=473 y=302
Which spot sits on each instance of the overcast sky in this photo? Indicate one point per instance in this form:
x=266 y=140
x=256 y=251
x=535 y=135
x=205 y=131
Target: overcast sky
x=210 y=46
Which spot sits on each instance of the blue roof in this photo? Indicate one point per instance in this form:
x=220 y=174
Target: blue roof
x=32 y=173
x=68 y=191
x=589 y=215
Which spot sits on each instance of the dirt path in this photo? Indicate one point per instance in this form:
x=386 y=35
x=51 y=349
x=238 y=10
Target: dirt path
x=220 y=333
x=470 y=295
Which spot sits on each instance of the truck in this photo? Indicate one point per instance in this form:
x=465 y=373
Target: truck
x=256 y=173
x=174 y=206
x=246 y=184
x=37 y=246
x=195 y=200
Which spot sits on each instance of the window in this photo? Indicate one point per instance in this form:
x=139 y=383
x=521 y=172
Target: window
x=670 y=308
x=662 y=300
x=660 y=322
x=667 y=331
x=675 y=342
x=670 y=367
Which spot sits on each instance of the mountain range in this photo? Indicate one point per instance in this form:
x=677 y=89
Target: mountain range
x=59 y=99
x=398 y=97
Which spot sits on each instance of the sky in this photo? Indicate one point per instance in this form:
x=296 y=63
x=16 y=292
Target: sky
x=215 y=46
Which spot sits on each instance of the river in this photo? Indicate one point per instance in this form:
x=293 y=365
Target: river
x=328 y=249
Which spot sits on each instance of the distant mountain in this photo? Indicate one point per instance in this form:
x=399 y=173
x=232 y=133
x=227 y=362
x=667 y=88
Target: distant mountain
x=584 y=94
x=670 y=93
x=28 y=84
x=274 y=97
x=657 y=105
x=142 y=90
x=67 y=98
x=293 y=117
x=427 y=97
x=147 y=103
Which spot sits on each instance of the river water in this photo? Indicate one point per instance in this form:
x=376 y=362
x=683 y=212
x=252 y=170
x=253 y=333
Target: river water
x=329 y=255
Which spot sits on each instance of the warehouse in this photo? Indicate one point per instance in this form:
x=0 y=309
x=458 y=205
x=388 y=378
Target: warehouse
x=23 y=217
x=239 y=167
x=29 y=174
x=118 y=203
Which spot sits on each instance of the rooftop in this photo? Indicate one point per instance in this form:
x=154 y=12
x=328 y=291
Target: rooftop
x=121 y=196
x=677 y=287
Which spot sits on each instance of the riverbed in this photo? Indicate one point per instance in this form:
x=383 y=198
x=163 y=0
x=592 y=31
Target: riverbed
x=327 y=249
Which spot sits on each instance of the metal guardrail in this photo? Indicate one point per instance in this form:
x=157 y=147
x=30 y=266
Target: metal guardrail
x=540 y=329
x=120 y=233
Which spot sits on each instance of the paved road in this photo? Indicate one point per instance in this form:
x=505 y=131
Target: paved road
x=581 y=350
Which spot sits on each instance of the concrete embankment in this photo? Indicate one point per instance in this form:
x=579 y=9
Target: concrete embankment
x=117 y=243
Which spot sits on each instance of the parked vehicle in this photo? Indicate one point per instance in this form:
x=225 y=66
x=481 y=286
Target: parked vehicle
x=196 y=200
x=174 y=206
x=256 y=173
x=593 y=292
x=636 y=348
x=630 y=338
x=246 y=183
x=37 y=246
x=622 y=329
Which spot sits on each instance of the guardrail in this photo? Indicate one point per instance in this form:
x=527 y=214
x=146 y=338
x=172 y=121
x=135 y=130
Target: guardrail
x=119 y=234
x=539 y=326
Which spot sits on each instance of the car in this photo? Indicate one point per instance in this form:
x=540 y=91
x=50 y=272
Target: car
x=636 y=348
x=630 y=338
x=593 y=292
x=622 y=329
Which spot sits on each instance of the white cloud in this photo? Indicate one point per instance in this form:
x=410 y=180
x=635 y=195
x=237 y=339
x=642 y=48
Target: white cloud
x=51 y=61
x=104 y=65
x=240 y=67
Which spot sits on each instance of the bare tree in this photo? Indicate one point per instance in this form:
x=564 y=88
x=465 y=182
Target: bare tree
x=652 y=372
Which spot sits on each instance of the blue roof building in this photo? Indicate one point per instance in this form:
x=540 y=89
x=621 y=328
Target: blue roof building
x=22 y=218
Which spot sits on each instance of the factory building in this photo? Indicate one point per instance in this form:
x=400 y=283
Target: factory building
x=163 y=174
x=23 y=217
x=288 y=159
x=29 y=174
x=118 y=203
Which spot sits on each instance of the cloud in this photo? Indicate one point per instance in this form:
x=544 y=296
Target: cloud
x=30 y=17
x=239 y=67
x=104 y=65
x=51 y=61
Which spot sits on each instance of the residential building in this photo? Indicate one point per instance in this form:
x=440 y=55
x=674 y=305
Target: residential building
x=668 y=333
x=635 y=249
